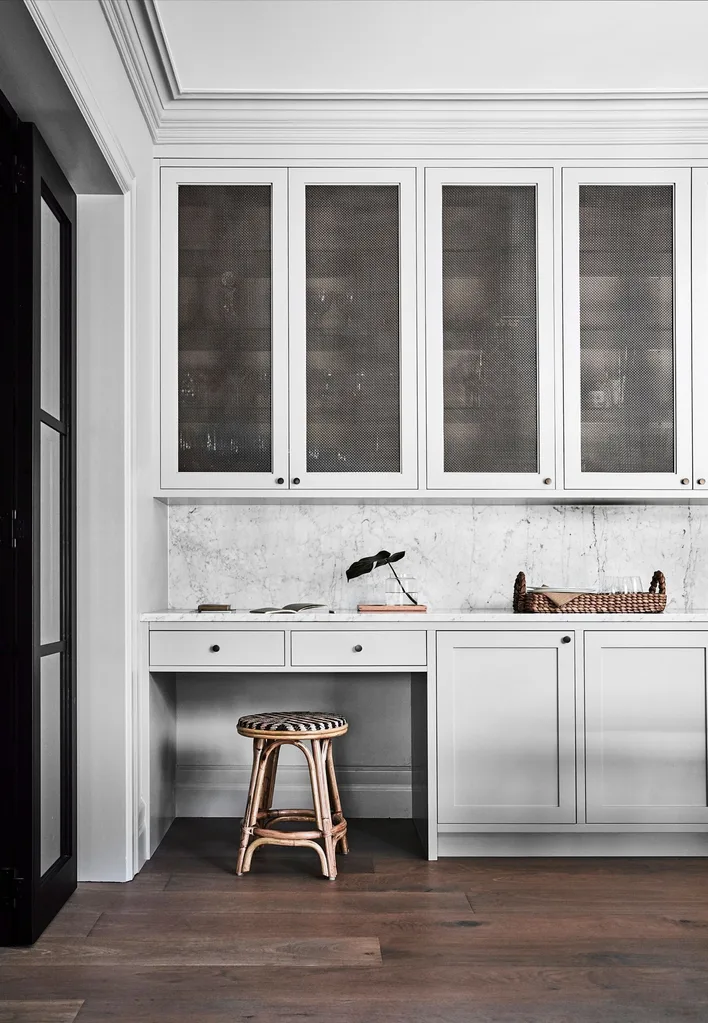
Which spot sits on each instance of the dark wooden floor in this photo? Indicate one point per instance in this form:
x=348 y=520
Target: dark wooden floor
x=394 y=939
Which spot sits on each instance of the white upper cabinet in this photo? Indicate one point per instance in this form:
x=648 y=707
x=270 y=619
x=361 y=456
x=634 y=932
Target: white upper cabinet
x=224 y=328
x=627 y=328
x=353 y=329
x=290 y=304
x=489 y=329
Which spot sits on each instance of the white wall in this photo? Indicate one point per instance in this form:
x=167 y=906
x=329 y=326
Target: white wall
x=122 y=531
x=437 y=44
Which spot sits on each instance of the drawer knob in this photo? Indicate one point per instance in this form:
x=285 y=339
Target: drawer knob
x=565 y=639
x=215 y=649
x=701 y=481
x=358 y=648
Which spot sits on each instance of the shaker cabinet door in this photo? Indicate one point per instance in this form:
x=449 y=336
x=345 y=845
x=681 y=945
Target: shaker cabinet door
x=627 y=328
x=645 y=727
x=489 y=326
x=506 y=728
x=224 y=328
x=353 y=329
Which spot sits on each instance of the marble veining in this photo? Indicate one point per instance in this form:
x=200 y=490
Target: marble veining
x=463 y=556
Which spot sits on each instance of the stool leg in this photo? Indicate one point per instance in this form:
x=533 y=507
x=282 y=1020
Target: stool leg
x=251 y=813
x=269 y=781
x=326 y=812
x=334 y=794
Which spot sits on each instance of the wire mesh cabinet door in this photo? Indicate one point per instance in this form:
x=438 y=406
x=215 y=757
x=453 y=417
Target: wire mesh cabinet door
x=627 y=328
x=699 y=197
x=489 y=325
x=353 y=329
x=224 y=328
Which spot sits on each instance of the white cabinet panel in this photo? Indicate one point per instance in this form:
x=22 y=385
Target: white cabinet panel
x=350 y=649
x=217 y=649
x=224 y=328
x=353 y=329
x=506 y=728
x=700 y=328
x=627 y=328
x=489 y=327
x=645 y=714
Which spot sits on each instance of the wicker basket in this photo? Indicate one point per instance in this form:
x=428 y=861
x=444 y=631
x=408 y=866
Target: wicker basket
x=652 y=602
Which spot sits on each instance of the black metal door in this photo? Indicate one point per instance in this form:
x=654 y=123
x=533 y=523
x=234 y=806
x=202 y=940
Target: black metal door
x=38 y=495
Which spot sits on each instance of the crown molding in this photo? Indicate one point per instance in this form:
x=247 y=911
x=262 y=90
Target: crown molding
x=556 y=117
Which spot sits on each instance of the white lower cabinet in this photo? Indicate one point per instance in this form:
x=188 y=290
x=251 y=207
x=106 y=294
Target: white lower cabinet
x=645 y=727
x=506 y=727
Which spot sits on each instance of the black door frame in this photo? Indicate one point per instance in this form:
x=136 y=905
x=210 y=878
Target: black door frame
x=29 y=901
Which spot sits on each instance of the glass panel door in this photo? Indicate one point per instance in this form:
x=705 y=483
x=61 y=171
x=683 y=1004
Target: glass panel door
x=352 y=340
x=626 y=328
x=224 y=329
x=38 y=719
x=489 y=328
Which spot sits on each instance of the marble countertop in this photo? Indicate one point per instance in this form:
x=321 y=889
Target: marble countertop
x=481 y=615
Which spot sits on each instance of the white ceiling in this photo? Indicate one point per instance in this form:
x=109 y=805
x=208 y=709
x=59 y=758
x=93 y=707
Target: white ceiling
x=451 y=45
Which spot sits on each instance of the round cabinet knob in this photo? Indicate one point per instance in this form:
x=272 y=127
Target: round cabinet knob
x=358 y=648
x=296 y=480
x=701 y=482
x=280 y=480
x=565 y=639
x=685 y=481
x=215 y=649
x=548 y=481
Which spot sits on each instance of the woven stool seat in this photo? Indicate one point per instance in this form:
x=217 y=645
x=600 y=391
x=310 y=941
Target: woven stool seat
x=287 y=722
x=311 y=732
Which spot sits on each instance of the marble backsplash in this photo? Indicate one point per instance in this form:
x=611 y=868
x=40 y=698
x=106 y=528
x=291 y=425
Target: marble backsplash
x=463 y=556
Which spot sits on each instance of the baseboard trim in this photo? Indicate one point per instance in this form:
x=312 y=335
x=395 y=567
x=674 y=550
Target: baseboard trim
x=574 y=844
x=220 y=791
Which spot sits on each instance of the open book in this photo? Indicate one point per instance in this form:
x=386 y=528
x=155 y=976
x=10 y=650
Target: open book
x=289 y=609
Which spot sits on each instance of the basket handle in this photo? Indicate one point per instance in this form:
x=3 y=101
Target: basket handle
x=519 y=591
x=658 y=583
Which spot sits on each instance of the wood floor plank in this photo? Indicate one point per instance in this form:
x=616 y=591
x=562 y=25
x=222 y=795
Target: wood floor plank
x=73 y=921
x=205 y=951
x=330 y=899
x=39 y=1011
x=352 y=923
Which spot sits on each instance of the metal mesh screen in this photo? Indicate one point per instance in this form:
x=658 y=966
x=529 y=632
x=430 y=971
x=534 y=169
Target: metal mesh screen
x=627 y=328
x=490 y=375
x=352 y=322
x=224 y=328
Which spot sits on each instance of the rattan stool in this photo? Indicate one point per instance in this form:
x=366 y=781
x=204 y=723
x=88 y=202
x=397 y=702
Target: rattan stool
x=289 y=728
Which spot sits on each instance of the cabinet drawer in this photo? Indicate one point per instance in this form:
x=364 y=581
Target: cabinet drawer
x=217 y=649
x=340 y=648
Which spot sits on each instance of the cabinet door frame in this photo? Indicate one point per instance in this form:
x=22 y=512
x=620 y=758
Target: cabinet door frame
x=598 y=813
x=541 y=178
x=572 y=179
x=566 y=811
x=699 y=196
x=405 y=179
x=170 y=475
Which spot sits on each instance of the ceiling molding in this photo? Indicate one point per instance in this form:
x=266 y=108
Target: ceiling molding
x=178 y=116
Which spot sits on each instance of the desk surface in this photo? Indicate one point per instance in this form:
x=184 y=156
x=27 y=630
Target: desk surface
x=421 y=619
